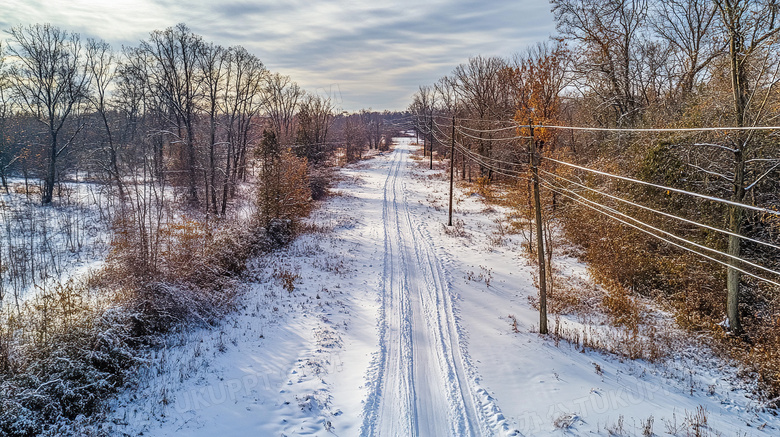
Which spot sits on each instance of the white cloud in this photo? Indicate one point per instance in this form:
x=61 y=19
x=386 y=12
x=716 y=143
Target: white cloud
x=377 y=54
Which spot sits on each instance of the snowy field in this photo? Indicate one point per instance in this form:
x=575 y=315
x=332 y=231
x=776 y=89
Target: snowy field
x=381 y=323
x=41 y=246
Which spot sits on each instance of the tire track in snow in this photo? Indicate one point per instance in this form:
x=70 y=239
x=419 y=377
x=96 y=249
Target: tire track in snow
x=419 y=381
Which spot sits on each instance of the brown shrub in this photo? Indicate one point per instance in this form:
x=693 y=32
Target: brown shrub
x=484 y=187
x=622 y=308
x=284 y=192
x=63 y=351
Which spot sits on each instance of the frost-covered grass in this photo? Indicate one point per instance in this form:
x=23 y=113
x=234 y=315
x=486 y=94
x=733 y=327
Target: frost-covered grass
x=294 y=298
x=68 y=348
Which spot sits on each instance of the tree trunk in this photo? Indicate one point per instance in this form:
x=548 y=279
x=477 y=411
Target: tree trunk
x=734 y=249
x=739 y=85
x=226 y=182
x=213 y=167
x=193 y=185
x=48 y=184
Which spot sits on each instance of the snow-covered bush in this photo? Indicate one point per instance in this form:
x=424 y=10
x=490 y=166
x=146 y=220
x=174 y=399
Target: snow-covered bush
x=67 y=349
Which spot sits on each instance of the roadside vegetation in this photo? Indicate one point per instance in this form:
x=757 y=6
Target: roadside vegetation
x=619 y=112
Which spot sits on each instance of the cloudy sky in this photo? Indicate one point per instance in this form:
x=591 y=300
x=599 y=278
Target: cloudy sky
x=363 y=53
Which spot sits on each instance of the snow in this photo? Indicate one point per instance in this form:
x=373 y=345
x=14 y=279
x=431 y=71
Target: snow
x=45 y=245
x=420 y=379
x=397 y=327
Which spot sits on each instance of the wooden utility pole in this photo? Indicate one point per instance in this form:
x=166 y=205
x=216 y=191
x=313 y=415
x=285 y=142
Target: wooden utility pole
x=452 y=166
x=534 y=161
x=431 y=140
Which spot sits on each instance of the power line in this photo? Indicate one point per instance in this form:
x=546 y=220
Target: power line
x=613 y=213
x=664 y=239
x=669 y=234
x=676 y=190
x=480 y=160
x=470 y=151
x=479 y=120
x=488 y=130
x=683 y=129
x=505 y=172
x=712 y=228
x=608 y=129
x=589 y=203
x=496 y=160
x=517 y=137
x=477 y=158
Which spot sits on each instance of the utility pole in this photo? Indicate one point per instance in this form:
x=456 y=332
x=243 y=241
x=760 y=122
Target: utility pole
x=425 y=140
x=431 y=139
x=452 y=165
x=534 y=161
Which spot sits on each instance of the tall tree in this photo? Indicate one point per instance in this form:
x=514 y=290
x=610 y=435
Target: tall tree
x=687 y=26
x=5 y=159
x=134 y=105
x=539 y=80
x=101 y=64
x=50 y=80
x=483 y=87
x=242 y=101
x=315 y=118
x=173 y=76
x=282 y=96
x=213 y=65
x=374 y=127
x=751 y=29
x=610 y=34
x=422 y=107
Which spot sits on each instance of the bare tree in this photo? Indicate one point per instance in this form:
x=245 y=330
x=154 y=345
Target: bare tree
x=282 y=96
x=353 y=136
x=173 y=76
x=752 y=32
x=134 y=105
x=241 y=101
x=687 y=26
x=101 y=64
x=373 y=123
x=447 y=103
x=213 y=67
x=446 y=95
x=315 y=118
x=422 y=107
x=50 y=80
x=610 y=35
x=5 y=159
x=483 y=87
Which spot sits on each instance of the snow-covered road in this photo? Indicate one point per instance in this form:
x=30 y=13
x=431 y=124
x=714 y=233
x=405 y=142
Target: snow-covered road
x=420 y=386
x=399 y=326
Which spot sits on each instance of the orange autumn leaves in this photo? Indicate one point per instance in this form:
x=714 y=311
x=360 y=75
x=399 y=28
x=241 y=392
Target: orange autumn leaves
x=538 y=82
